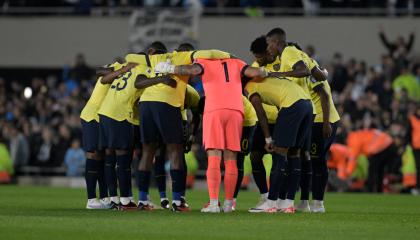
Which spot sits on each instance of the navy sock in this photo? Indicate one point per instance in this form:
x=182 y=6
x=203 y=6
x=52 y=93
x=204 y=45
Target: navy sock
x=277 y=175
x=319 y=178
x=91 y=177
x=284 y=184
x=143 y=183
x=306 y=179
x=111 y=175
x=177 y=178
x=259 y=174
x=103 y=188
x=160 y=175
x=240 y=164
x=294 y=177
x=124 y=174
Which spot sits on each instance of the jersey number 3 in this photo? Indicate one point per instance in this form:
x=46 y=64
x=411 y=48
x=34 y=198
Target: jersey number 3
x=121 y=85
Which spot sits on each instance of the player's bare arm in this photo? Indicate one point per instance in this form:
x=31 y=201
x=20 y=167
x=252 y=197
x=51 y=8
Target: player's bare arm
x=299 y=70
x=255 y=72
x=143 y=82
x=325 y=105
x=100 y=72
x=109 y=78
x=191 y=70
x=255 y=100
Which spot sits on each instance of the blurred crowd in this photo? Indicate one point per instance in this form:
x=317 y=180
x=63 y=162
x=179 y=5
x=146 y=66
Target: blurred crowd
x=310 y=6
x=41 y=125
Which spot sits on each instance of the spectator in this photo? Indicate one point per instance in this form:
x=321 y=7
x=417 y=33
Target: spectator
x=81 y=71
x=413 y=138
x=63 y=143
x=44 y=156
x=340 y=75
x=75 y=159
x=399 y=45
x=409 y=83
x=19 y=149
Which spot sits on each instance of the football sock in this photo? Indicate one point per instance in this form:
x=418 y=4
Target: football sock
x=177 y=178
x=103 y=188
x=277 y=176
x=110 y=175
x=231 y=177
x=124 y=174
x=213 y=177
x=160 y=175
x=319 y=178
x=306 y=179
x=259 y=174
x=240 y=164
x=143 y=182
x=294 y=177
x=91 y=176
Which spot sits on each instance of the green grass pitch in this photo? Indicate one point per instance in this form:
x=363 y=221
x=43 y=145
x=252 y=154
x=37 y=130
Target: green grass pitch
x=58 y=213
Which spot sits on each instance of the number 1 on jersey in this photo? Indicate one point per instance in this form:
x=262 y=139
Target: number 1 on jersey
x=225 y=68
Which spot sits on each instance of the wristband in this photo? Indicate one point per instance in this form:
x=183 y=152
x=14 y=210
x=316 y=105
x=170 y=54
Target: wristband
x=268 y=140
x=264 y=72
x=171 y=69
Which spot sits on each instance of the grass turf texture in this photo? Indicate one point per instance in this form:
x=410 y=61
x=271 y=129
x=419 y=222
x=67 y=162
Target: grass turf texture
x=58 y=213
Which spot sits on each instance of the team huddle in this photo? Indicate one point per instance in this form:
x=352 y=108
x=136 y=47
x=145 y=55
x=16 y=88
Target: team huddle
x=280 y=105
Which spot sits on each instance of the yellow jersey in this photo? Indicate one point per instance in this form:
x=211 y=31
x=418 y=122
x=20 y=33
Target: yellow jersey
x=319 y=118
x=90 y=111
x=270 y=110
x=192 y=98
x=250 y=116
x=120 y=103
x=279 y=93
x=289 y=57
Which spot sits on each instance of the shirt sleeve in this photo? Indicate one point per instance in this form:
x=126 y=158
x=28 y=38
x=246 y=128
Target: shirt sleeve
x=290 y=57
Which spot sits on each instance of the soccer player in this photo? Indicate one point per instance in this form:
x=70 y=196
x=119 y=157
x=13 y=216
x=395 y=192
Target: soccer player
x=118 y=113
x=90 y=128
x=249 y=124
x=291 y=129
x=191 y=102
x=222 y=120
x=294 y=68
x=272 y=64
x=160 y=112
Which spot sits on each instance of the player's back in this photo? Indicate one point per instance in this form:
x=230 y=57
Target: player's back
x=222 y=84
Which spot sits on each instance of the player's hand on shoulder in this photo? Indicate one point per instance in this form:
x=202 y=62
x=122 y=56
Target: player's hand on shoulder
x=164 y=67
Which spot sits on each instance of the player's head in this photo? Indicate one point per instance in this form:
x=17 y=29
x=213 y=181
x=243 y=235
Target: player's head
x=259 y=50
x=185 y=47
x=276 y=40
x=156 y=48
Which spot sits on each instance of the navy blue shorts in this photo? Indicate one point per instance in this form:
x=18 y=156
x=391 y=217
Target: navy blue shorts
x=90 y=136
x=320 y=145
x=258 y=139
x=246 y=139
x=136 y=137
x=293 y=125
x=115 y=134
x=160 y=122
